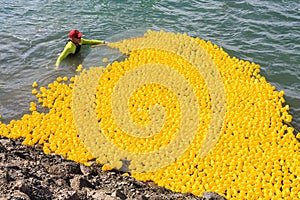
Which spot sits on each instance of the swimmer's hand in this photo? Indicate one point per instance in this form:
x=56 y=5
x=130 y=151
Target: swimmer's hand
x=98 y=45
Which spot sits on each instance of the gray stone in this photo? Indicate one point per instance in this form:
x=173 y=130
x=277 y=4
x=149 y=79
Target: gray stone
x=100 y=194
x=79 y=182
x=212 y=196
x=18 y=195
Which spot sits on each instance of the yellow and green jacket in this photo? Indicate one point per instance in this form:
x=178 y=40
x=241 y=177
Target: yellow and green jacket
x=72 y=48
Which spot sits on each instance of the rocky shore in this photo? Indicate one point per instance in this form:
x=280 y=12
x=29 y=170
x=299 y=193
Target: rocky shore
x=26 y=173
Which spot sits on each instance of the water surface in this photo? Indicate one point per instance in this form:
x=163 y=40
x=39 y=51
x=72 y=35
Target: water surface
x=34 y=32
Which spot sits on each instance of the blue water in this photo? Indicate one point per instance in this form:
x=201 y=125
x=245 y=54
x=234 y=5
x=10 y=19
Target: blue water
x=34 y=32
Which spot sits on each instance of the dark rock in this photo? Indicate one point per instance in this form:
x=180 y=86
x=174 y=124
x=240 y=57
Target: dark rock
x=72 y=168
x=27 y=173
x=4 y=177
x=120 y=194
x=3 y=144
x=72 y=196
x=23 y=155
x=138 y=184
x=36 y=191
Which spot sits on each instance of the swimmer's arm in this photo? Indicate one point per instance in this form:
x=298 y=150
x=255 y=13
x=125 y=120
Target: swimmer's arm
x=92 y=42
x=67 y=50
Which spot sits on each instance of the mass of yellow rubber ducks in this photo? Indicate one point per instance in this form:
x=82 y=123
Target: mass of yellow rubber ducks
x=181 y=109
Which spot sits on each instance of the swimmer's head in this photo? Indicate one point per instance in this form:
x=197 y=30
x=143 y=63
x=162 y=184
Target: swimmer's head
x=75 y=34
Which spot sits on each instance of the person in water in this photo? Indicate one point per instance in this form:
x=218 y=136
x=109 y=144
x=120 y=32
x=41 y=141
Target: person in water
x=73 y=45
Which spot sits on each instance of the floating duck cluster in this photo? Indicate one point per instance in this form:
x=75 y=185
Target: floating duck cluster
x=54 y=129
x=178 y=111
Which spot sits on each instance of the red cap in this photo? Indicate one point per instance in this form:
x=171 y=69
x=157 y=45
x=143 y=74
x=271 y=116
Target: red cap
x=75 y=33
